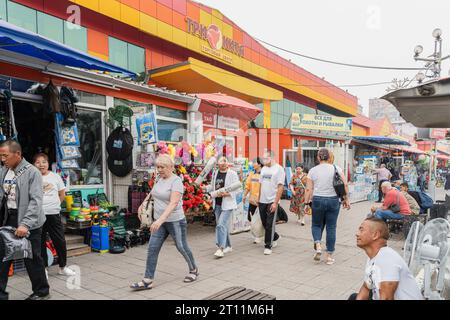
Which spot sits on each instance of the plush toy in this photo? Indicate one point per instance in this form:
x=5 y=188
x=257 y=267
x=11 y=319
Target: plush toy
x=171 y=151
x=186 y=155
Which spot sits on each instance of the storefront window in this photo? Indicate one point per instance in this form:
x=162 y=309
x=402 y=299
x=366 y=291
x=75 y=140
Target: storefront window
x=50 y=27
x=90 y=132
x=171 y=131
x=75 y=36
x=90 y=98
x=22 y=16
x=309 y=144
x=171 y=113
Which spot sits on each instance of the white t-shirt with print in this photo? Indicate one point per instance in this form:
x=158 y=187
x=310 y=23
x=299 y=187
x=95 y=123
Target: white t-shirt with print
x=388 y=265
x=322 y=176
x=52 y=183
x=270 y=178
x=9 y=186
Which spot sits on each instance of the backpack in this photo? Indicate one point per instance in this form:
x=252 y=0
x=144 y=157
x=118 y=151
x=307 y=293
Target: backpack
x=425 y=199
x=119 y=144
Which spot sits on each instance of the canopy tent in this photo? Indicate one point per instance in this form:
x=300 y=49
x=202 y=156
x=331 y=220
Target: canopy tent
x=22 y=41
x=227 y=106
x=381 y=140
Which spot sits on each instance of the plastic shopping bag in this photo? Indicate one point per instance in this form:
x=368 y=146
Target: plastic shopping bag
x=15 y=248
x=257 y=228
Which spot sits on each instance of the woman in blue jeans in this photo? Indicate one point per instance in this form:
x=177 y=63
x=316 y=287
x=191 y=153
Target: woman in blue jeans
x=325 y=203
x=169 y=219
x=224 y=203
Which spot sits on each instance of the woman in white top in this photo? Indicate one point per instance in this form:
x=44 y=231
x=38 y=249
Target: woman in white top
x=325 y=203
x=169 y=219
x=54 y=192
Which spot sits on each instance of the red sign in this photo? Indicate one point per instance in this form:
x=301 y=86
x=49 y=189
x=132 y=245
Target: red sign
x=438 y=134
x=208 y=119
x=214 y=36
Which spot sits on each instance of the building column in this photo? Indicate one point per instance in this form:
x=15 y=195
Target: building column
x=266 y=104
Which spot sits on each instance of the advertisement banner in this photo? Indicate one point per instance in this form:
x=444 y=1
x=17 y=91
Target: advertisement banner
x=438 y=134
x=316 y=122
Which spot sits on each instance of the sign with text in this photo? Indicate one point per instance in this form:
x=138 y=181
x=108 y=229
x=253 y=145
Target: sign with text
x=209 y=120
x=438 y=134
x=320 y=122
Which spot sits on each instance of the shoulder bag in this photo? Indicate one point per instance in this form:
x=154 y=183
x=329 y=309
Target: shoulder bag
x=338 y=184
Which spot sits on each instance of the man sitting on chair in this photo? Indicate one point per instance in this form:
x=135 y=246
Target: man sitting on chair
x=391 y=197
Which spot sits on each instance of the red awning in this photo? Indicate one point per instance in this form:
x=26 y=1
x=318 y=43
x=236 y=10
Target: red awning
x=227 y=106
x=443 y=157
x=413 y=150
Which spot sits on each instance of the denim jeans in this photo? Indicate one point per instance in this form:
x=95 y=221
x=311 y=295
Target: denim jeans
x=177 y=231
x=387 y=214
x=325 y=211
x=222 y=227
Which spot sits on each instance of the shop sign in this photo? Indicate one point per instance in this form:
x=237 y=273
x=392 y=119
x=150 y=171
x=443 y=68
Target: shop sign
x=209 y=120
x=216 y=40
x=315 y=122
x=438 y=134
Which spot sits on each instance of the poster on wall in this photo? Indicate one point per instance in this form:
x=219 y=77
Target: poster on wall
x=146 y=127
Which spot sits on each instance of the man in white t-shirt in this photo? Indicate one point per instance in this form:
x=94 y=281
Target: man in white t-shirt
x=272 y=180
x=387 y=277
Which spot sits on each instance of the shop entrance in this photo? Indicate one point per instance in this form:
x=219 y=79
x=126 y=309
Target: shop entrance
x=35 y=129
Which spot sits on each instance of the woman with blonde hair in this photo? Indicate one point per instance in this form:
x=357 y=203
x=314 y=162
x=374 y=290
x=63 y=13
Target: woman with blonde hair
x=169 y=219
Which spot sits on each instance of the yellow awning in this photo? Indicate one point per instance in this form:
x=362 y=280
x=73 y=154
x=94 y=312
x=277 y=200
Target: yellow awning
x=194 y=76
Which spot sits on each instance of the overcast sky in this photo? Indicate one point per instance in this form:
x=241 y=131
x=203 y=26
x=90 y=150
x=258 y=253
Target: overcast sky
x=376 y=32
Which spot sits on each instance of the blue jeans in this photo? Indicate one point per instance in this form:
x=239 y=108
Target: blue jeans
x=223 y=227
x=387 y=214
x=325 y=211
x=177 y=231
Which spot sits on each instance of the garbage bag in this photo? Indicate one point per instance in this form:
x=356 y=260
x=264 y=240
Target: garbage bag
x=15 y=248
x=257 y=228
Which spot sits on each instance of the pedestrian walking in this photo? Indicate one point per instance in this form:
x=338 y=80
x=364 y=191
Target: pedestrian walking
x=383 y=174
x=169 y=219
x=298 y=189
x=223 y=203
x=325 y=203
x=21 y=208
x=272 y=187
x=252 y=187
x=54 y=193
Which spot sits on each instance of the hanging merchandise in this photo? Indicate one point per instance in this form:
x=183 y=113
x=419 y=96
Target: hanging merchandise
x=67 y=100
x=67 y=134
x=69 y=153
x=147 y=128
x=119 y=143
x=119 y=116
x=120 y=168
x=50 y=96
x=69 y=164
x=12 y=123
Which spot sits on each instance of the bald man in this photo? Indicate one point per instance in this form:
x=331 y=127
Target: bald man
x=391 y=197
x=387 y=277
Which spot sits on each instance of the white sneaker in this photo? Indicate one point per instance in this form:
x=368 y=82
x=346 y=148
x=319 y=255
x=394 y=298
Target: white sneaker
x=219 y=253
x=46 y=273
x=267 y=251
x=257 y=240
x=274 y=244
x=228 y=250
x=66 y=272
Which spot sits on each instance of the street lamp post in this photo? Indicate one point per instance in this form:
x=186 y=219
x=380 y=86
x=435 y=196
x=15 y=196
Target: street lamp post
x=434 y=61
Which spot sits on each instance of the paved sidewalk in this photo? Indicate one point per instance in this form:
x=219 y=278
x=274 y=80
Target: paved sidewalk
x=289 y=273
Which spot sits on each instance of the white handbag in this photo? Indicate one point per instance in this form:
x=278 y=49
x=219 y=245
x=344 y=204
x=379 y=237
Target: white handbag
x=145 y=212
x=257 y=228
